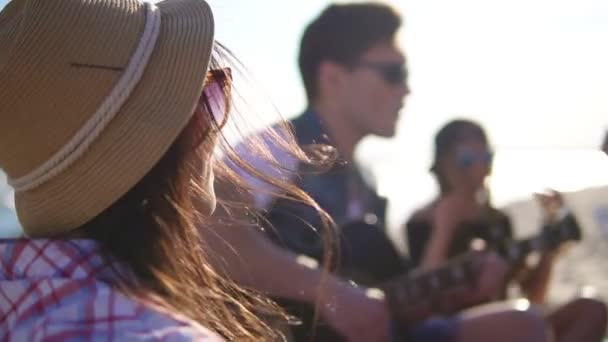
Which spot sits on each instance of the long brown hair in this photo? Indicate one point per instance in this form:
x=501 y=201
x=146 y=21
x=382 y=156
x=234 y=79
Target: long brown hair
x=154 y=228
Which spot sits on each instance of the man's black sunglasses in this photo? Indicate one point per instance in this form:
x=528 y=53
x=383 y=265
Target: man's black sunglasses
x=392 y=73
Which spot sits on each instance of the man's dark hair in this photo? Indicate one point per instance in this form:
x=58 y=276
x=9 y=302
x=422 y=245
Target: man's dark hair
x=342 y=33
x=605 y=144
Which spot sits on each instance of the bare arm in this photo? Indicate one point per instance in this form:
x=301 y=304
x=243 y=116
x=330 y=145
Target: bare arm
x=248 y=257
x=449 y=212
x=436 y=251
x=536 y=284
x=429 y=243
x=445 y=219
x=535 y=280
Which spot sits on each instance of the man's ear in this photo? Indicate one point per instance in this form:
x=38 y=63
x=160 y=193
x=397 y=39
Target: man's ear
x=332 y=76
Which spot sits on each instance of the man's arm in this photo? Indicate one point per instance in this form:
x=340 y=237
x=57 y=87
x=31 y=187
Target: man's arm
x=248 y=257
x=535 y=280
x=244 y=252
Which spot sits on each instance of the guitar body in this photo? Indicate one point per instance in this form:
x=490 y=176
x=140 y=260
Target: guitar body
x=368 y=258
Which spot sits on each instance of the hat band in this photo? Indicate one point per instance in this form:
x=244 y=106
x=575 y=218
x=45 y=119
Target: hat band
x=89 y=132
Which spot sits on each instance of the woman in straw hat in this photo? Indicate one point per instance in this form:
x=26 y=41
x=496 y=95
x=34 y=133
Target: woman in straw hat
x=109 y=116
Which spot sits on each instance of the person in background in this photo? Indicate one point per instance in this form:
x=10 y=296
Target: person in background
x=605 y=144
x=356 y=83
x=110 y=113
x=463 y=213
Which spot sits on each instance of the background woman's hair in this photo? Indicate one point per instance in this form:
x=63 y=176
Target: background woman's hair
x=154 y=228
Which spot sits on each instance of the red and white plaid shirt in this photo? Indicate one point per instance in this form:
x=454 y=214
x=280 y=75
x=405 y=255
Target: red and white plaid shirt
x=53 y=290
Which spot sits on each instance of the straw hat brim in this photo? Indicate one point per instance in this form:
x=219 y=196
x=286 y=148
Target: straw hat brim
x=143 y=130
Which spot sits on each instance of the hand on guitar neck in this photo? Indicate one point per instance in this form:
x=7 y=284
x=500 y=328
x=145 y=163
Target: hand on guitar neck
x=421 y=293
x=447 y=216
x=465 y=282
x=492 y=271
x=534 y=278
x=552 y=205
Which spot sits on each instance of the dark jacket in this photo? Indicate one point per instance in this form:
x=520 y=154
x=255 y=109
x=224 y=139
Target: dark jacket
x=299 y=227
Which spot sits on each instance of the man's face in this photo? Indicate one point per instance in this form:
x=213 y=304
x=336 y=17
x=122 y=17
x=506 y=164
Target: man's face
x=376 y=89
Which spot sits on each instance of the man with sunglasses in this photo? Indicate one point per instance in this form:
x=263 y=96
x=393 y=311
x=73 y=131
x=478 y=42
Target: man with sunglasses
x=355 y=78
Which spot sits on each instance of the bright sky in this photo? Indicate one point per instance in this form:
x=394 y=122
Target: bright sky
x=534 y=72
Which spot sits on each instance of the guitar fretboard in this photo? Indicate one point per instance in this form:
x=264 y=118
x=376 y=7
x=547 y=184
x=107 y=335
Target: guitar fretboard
x=409 y=290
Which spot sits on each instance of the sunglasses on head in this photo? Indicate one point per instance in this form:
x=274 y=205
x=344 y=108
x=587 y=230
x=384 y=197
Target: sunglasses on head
x=392 y=73
x=215 y=103
x=216 y=95
x=466 y=159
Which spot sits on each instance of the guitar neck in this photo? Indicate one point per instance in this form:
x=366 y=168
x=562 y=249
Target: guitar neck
x=417 y=287
x=552 y=236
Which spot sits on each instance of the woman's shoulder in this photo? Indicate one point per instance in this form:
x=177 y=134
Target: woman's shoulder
x=99 y=309
x=148 y=321
x=156 y=323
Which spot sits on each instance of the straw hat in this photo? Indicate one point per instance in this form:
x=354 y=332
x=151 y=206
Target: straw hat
x=92 y=94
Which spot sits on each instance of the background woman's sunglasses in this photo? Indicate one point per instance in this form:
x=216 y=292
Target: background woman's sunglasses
x=466 y=159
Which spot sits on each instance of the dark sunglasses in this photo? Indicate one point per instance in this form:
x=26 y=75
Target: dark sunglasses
x=392 y=73
x=216 y=103
x=466 y=159
x=216 y=95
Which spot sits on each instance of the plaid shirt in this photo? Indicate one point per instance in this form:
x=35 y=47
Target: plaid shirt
x=53 y=290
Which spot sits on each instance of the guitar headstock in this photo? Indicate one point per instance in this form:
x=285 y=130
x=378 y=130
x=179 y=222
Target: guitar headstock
x=552 y=236
x=564 y=230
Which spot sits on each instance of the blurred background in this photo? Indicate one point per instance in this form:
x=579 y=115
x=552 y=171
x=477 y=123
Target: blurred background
x=533 y=72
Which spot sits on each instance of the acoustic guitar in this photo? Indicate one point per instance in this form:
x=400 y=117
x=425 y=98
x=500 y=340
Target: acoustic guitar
x=410 y=295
